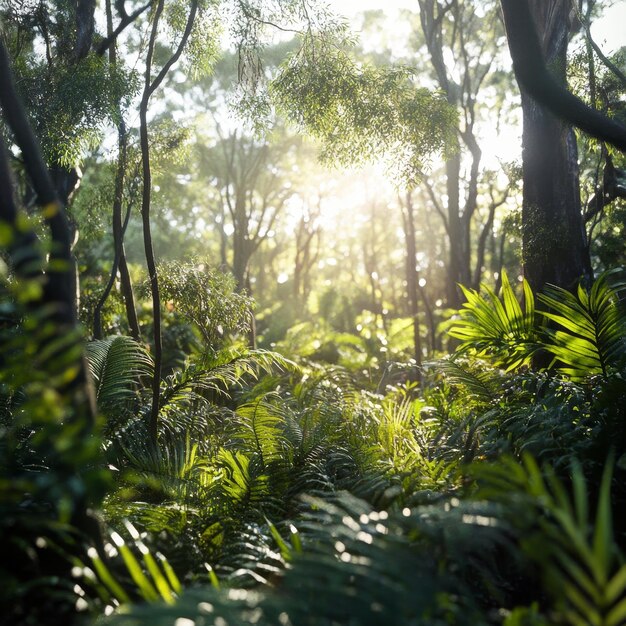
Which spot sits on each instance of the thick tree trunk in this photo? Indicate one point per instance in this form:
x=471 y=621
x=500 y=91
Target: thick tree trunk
x=57 y=297
x=535 y=29
x=553 y=237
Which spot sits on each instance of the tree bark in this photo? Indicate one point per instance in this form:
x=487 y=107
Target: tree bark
x=537 y=32
x=119 y=228
x=119 y=256
x=553 y=236
x=60 y=275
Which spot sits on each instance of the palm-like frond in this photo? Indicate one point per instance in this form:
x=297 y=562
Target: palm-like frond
x=122 y=575
x=592 y=334
x=498 y=327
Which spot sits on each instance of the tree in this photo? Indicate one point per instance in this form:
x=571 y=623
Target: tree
x=43 y=366
x=151 y=84
x=553 y=237
x=471 y=38
x=308 y=236
x=253 y=181
x=555 y=249
x=118 y=225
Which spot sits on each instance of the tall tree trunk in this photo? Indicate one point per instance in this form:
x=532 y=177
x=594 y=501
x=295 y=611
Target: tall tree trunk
x=147 y=235
x=57 y=277
x=553 y=236
x=150 y=86
x=529 y=27
x=455 y=234
x=119 y=256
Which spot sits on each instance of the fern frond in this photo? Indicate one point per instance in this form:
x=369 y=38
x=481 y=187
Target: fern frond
x=482 y=384
x=117 y=365
x=220 y=375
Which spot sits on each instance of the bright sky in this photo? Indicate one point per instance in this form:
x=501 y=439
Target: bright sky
x=610 y=30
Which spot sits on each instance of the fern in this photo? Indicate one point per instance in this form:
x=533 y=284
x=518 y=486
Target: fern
x=352 y=564
x=117 y=365
x=261 y=430
x=478 y=381
x=218 y=376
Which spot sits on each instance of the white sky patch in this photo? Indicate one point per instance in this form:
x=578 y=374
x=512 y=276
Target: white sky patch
x=609 y=32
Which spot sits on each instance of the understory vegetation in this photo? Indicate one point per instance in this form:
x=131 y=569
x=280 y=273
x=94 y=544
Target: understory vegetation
x=291 y=492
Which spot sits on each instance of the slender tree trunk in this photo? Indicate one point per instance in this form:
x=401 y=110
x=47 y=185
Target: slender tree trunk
x=430 y=320
x=240 y=258
x=119 y=257
x=119 y=229
x=455 y=261
x=485 y=234
x=408 y=221
x=126 y=285
x=150 y=86
x=57 y=277
x=147 y=241
x=60 y=276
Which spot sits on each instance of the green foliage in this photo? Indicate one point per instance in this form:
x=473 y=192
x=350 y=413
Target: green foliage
x=590 y=340
x=582 y=566
x=498 y=327
x=117 y=575
x=361 y=112
x=205 y=298
x=68 y=103
x=336 y=491
x=318 y=341
x=592 y=335
x=118 y=365
x=49 y=455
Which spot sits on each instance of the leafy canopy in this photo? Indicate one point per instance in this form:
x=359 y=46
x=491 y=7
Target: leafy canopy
x=361 y=112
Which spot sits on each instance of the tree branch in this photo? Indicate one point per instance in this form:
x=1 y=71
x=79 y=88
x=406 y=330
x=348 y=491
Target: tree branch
x=534 y=78
x=127 y=20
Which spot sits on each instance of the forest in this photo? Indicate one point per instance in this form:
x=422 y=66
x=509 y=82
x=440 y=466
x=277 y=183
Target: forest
x=312 y=313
